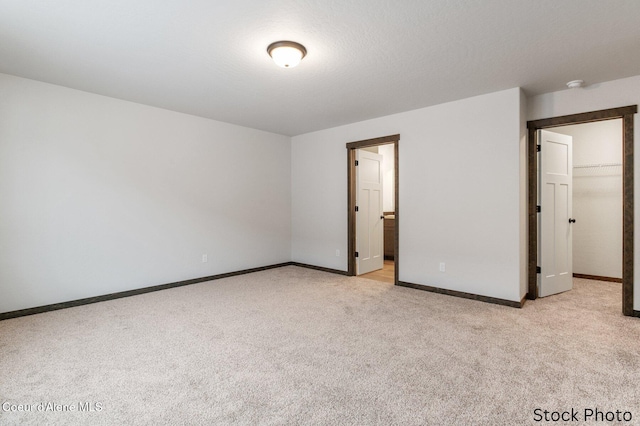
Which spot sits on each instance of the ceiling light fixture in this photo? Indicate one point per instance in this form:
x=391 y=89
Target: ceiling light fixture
x=575 y=84
x=286 y=54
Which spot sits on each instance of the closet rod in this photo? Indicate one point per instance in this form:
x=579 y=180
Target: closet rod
x=594 y=166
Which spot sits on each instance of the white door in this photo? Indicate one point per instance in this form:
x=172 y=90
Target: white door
x=555 y=200
x=369 y=217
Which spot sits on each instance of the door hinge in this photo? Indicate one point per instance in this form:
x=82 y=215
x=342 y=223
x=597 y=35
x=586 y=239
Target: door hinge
x=538 y=270
x=356 y=208
x=356 y=162
x=538 y=209
x=356 y=254
x=538 y=148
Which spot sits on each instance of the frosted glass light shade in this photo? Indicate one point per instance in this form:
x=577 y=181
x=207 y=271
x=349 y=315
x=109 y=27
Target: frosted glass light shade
x=286 y=54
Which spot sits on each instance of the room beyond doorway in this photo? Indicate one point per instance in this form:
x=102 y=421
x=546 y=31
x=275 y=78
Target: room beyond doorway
x=596 y=199
x=385 y=275
x=352 y=149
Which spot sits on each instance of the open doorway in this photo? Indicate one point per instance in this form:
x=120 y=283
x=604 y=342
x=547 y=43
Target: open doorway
x=597 y=199
x=580 y=195
x=626 y=170
x=379 y=213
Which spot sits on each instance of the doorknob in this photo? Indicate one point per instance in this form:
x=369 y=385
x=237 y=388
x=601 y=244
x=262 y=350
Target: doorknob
x=572 y=220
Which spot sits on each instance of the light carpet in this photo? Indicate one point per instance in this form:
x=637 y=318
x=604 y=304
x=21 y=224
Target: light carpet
x=298 y=346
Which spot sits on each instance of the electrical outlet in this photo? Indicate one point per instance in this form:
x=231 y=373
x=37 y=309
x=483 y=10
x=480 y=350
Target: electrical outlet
x=442 y=267
x=205 y=258
x=337 y=253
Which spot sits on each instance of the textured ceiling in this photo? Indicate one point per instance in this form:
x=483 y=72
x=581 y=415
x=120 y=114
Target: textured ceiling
x=366 y=58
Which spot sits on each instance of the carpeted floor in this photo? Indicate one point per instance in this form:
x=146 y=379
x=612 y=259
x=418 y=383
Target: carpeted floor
x=298 y=346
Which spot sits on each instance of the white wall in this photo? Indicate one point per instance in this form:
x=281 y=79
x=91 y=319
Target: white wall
x=460 y=194
x=388 y=176
x=524 y=192
x=610 y=94
x=100 y=195
x=597 y=198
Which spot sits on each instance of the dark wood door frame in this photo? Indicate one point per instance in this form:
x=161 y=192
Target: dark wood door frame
x=626 y=114
x=351 y=200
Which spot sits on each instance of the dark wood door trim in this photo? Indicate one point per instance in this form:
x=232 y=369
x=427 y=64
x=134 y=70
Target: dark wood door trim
x=627 y=214
x=626 y=114
x=351 y=200
x=585 y=117
x=373 y=142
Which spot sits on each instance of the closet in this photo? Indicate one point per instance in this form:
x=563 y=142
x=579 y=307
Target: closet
x=597 y=199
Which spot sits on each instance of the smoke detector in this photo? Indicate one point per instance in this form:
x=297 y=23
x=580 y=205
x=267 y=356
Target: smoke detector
x=575 y=84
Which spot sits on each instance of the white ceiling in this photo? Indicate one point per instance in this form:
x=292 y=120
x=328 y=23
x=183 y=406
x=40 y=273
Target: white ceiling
x=366 y=58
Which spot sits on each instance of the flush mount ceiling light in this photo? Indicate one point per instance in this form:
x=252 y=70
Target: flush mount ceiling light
x=575 y=84
x=286 y=54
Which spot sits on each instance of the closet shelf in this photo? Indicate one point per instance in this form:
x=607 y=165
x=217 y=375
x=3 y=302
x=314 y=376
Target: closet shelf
x=597 y=166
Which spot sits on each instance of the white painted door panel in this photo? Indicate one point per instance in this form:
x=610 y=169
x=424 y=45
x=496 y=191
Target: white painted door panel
x=369 y=222
x=555 y=239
